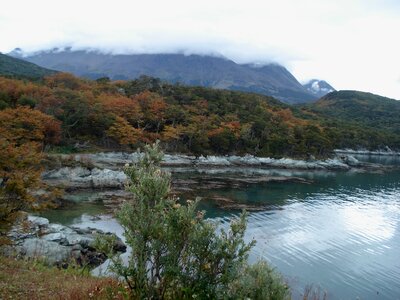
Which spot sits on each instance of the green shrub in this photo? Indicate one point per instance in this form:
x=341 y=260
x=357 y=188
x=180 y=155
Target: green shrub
x=27 y=101
x=176 y=253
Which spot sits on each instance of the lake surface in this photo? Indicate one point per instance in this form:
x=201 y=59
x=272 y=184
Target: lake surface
x=341 y=233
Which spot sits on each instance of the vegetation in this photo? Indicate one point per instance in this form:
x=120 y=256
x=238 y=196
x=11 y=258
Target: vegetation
x=363 y=119
x=64 y=112
x=196 y=120
x=14 y=67
x=176 y=253
x=21 y=279
x=23 y=134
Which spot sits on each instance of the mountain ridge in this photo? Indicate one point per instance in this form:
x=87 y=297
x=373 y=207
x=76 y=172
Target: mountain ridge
x=202 y=70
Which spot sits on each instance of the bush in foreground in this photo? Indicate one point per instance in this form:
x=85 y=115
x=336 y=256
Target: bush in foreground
x=176 y=253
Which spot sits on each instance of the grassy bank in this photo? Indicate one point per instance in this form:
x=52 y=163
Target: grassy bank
x=21 y=279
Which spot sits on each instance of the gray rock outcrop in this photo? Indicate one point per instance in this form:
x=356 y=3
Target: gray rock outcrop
x=36 y=238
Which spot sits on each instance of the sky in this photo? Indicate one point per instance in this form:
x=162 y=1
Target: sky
x=352 y=44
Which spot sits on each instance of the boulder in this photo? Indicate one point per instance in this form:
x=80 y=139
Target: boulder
x=35 y=237
x=38 y=221
x=50 y=251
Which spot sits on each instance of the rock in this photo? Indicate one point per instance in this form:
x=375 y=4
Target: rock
x=77 y=247
x=67 y=172
x=55 y=243
x=55 y=237
x=76 y=254
x=351 y=161
x=38 y=221
x=119 y=246
x=83 y=240
x=53 y=228
x=107 y=178
x=50 y=251
x=229 y=204
x=79 y=177
x=91 y=258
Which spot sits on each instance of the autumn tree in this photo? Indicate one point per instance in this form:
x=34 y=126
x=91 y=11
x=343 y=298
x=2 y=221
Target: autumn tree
x=171 y=135
x=24 y=132
x=122 y=106
x=153 y=107
x=123 y=133
x=66 y=80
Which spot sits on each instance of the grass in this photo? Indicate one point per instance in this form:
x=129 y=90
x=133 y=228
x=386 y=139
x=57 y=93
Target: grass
x=21 y=279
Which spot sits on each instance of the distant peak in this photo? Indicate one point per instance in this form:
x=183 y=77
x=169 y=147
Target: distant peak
x=17 y=52
x=318 y=87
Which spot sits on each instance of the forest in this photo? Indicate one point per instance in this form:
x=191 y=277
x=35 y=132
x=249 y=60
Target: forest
x=63 y=113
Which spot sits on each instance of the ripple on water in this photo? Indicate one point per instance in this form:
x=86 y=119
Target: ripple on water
x=348 y=242
x=340 y=233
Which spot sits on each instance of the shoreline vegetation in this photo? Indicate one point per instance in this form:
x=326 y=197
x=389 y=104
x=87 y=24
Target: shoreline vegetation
x=85 y=115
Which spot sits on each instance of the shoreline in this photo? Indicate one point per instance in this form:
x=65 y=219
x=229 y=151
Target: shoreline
x=105 y=170
x=366 y=152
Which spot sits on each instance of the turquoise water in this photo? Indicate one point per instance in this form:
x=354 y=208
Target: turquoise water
x=340 y=233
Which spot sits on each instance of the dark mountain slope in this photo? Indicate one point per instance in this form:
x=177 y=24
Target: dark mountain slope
x=359 y=107
x=216 y=72
x=14 y=67
x=358 y=120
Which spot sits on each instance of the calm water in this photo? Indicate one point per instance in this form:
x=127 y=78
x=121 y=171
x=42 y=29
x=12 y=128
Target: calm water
x=341 y=233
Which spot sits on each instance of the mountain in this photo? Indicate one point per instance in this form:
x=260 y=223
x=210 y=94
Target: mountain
x=11 y=66
x=208 y=71
x=319 y=88
x=365 y=109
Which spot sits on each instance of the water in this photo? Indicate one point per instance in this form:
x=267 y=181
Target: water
x=341 y=233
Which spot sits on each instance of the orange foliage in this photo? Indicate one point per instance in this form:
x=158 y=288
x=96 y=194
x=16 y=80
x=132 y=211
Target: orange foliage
x=153 y=105
x=123 y=133
x=199 y=107
x=17 y=88
x=233 y=126
x=149 y=137
x=121 y=106
x=20 y=171
x=286 y=115
x=215 y=131
x=171 y=133
x=23 y=131
x=22 y=124
x=66 y=80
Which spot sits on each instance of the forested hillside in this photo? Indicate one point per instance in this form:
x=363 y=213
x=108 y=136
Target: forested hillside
x=123 y=115
x=14 y=67
x=370 y=120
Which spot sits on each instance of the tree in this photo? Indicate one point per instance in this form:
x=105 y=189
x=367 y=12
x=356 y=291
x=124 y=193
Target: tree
x=122 y=106
x=123 y=133
x=176 y=253
x=24 y=132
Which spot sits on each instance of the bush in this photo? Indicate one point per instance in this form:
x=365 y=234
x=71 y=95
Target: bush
x=176 y=253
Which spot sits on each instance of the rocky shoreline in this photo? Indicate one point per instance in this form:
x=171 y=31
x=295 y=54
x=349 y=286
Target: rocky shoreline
x=386 y=152
x=35 y=237
x=115 y=160
x=104 y=170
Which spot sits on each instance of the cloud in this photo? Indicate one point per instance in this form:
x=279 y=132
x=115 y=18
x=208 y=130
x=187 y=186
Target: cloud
x=333 y=40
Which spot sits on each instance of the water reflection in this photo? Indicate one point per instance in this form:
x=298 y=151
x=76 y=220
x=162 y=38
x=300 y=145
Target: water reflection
x=340 y=233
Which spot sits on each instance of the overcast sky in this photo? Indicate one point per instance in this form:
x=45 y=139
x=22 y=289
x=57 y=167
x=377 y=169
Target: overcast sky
x=352 y=44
